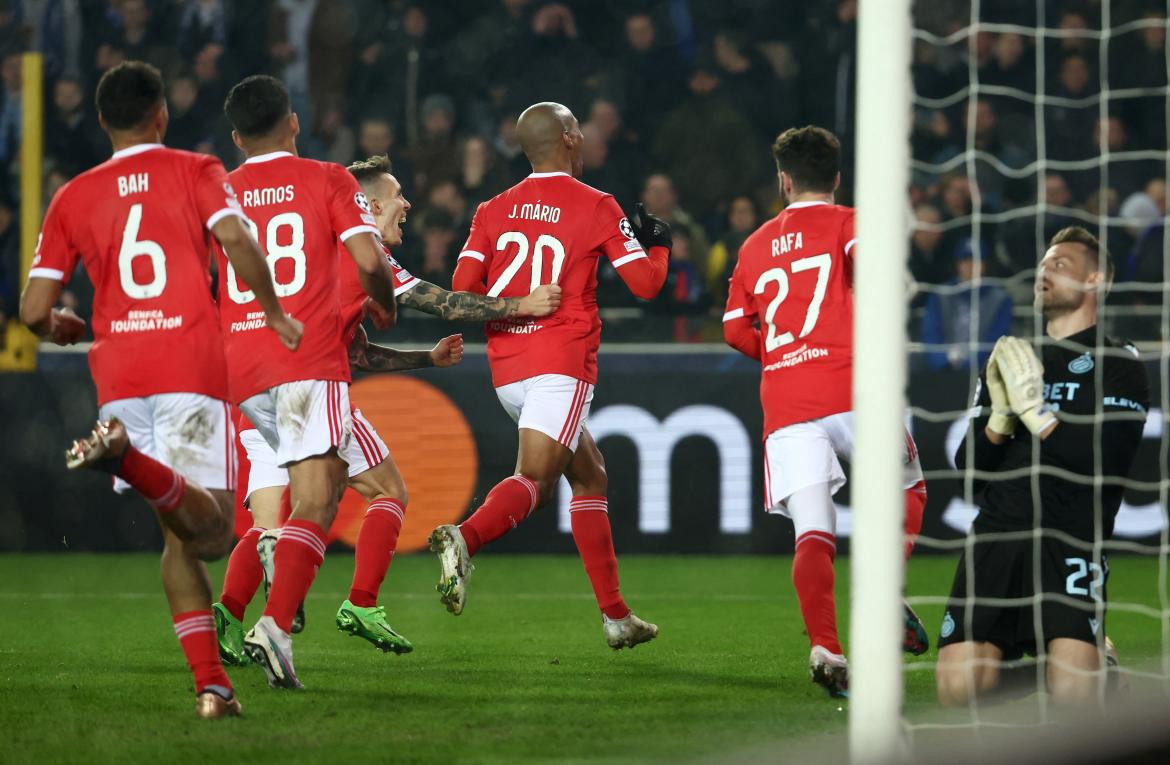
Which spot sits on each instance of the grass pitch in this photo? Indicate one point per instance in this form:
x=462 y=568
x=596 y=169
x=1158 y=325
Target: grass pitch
x=90 y=670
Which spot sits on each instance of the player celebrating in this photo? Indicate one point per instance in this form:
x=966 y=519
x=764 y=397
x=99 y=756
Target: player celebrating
x=139 y=223
x=372 y=471
x=300 y=405
x=794 y=277
x=551 y=229
x=1054 y=396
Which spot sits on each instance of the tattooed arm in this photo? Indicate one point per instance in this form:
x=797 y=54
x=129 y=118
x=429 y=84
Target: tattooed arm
x=467 y=306
x=377 y=358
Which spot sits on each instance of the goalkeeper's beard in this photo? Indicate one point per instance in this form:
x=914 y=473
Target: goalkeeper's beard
x=1054 y=303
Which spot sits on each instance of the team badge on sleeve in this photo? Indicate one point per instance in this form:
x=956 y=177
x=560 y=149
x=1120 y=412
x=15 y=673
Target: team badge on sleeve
x=625 y=227
x=231 y=200
x=361 y=201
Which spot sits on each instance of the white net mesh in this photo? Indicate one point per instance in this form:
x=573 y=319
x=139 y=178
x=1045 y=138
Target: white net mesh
x=1029 y=118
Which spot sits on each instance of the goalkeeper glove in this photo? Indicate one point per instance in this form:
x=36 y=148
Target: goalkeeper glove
x=1023 y=377
x=649 y=229
x=1002 y=420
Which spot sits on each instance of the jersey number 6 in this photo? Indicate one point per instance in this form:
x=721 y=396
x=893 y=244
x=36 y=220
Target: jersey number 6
x=544 y=242
x=822 y=263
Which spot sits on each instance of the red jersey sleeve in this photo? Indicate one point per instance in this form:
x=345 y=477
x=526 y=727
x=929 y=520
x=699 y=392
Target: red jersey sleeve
x=349 y=210
x=474 y=259
x=614 y=236
x=848 y=238
x=739 y=316
x=404 y=281
x=56 y=257
x=214 y=196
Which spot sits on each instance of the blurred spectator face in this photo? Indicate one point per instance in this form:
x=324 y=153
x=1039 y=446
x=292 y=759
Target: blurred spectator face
x=984 y=47
x=846 y=11
x=10 y=72
x=446 y=196
x=1056 y=191
x=68 y=96
x=414 y=22
x=437 y=248
x=984 y=120
x=966 y=269
x=6 y=218
x=924 y=239
x=1072 y=21
x=956 y=195
x=742 y=215
x=1154 y=38
x=703 y=82
x=604 y=116
x=1113 y=130
x=1009 y=49
x=729 y=53
x=594 y=150
x=437 y=122
x=135 y=15
x=183 y=94
x=658 y=195
x=1156 y=190
x=555 y=20
x=53 y=182
x=476 y=161
x=207 y=63
x=640 y=32
x=1074 y=74
x=680 y=246
x=375 y=136
x=515 y=7
x=507 y=131
x=1106 y=203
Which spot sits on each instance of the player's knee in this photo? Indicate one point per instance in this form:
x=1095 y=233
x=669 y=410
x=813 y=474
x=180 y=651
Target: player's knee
x=1071 y=687
x=957 y=682
x=545 y=488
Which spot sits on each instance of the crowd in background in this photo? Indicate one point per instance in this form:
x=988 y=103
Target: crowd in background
x=679 y=101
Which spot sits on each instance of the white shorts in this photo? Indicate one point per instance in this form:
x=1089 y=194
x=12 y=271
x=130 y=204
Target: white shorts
x=366 y=450
x=808 y=453
x=188 y=432
x=556 y=405
x=302 y=419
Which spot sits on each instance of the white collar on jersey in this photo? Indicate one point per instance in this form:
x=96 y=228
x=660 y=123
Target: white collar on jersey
x=137 y=148
x=546 y=175
x=267 y=157
x=798 y=205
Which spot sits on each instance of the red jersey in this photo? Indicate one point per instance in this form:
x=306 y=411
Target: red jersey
x=548 y=229
x=299 y=208
x=795 y=276
x=140 y=223
x=353 y=296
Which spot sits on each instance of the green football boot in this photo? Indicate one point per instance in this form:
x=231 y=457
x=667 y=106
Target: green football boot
x=230 y=634
x=370 y=624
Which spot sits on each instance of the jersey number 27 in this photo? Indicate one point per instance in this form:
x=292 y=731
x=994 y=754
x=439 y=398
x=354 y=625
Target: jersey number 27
x=822 y=264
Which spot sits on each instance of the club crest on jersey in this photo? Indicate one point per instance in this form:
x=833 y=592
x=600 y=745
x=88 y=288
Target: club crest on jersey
x=361 y=201
x=227 y=189
x=1081 y=364
x=948 y=626
x=625 y=227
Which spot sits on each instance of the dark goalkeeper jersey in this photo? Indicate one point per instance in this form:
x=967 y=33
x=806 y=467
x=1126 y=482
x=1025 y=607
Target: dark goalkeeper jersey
x=1077 y=446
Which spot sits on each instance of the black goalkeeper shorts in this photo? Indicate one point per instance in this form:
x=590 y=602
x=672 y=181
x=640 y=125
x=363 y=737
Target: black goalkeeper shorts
x=1073 y=604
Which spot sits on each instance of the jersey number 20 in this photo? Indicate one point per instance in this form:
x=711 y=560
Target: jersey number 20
x=822 y=263
x=544 y=243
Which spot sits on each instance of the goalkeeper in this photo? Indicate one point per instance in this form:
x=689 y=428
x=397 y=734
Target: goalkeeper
x=1045 y=404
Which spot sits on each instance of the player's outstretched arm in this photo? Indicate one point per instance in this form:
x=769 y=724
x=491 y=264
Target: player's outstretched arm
x=377 y=358
x=248 y=261
x=60 y=325
x=373 y=271
x=468 y=306
x=742 y=335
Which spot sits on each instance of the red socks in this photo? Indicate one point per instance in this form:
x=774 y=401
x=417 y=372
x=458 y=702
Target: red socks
x=590 y=519
x=375 y=547
x=915 y=504
x=508 y=503
x=196 y=633
x=297 y=556
x=812 y=575
x=243 y=575
x=157 y=483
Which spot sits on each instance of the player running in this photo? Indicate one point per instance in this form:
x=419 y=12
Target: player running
x=300 y=405
x=1055 y=396
x=551 y=229
x=140 y=225
x=795 y=279
x=372 y=471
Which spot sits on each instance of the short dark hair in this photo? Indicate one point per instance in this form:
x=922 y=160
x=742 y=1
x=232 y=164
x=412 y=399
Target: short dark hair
x=369 y=170
x=1100 y=257
x=256 y=104
x=129 y=94
x=810 y=155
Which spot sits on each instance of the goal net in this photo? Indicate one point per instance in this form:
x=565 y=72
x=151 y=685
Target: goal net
x=1029 y=117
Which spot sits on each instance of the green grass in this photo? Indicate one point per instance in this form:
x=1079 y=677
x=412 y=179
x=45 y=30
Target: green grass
x=90 y=670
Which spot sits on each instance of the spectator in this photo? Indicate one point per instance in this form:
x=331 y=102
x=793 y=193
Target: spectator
x=599 y=171
x=447 y=198
x=682 y=146
x=438 y=248
x=749 y=82
x=190 y=125
x=73 y=138
x=515 y=164
x=481 y=177
x=647 y=74
x=435 y=156
x=960 y=325
x=1069 y=126
x=955 y=200
x=375 y=138
x=311 y=41
x=660 y=199
x=683 y=295
x=55 y=29
x=558 y=61
x=332 y=140
x=928 y=265
x=1012 y=65
x=624 y=154
x=1143 y=65
x=10 y=108
x=742 y=219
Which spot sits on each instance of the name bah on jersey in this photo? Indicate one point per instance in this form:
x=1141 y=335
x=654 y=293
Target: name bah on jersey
x=133 y=184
